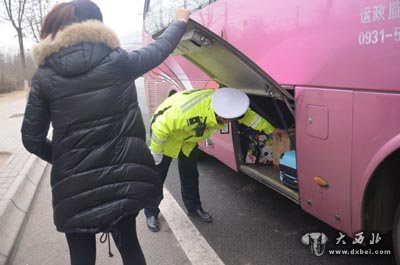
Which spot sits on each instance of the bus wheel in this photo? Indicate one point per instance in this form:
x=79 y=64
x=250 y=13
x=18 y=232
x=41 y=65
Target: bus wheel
x=396 y=235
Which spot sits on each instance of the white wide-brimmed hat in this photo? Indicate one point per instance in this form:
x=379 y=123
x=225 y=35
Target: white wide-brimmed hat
x=230 y=103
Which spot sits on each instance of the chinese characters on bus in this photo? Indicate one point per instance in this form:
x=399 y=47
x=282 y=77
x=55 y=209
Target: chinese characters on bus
x=379 y=13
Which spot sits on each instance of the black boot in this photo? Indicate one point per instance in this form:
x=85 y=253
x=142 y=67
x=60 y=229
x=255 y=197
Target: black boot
x=153 y=224
x=201 y=215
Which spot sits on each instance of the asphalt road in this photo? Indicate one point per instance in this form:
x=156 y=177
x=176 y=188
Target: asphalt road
x=253 y=225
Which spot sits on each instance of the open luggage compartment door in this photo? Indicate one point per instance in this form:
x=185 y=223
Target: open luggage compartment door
x=226 y=64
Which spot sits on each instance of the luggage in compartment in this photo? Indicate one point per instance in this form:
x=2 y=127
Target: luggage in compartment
x=288 y=169
x=279 y=146
x=256 y=146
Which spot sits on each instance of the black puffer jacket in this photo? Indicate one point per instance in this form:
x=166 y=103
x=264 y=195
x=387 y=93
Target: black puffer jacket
x=102 y=169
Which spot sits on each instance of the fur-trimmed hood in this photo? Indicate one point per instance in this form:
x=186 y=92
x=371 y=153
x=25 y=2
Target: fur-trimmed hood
x=90 y=31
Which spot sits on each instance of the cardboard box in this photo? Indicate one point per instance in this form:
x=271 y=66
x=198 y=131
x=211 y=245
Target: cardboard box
x=280 y=146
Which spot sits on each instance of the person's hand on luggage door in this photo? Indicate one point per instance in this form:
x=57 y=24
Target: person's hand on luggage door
x=183 y=14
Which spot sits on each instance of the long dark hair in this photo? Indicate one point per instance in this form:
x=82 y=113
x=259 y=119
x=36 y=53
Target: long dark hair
x=65 y=14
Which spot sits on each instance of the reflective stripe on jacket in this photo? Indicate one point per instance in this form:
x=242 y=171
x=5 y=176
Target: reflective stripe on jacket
x=177 y=123
x=253 y=120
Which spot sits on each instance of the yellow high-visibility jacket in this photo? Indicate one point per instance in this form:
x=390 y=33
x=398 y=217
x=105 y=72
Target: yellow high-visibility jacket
x=187 y=117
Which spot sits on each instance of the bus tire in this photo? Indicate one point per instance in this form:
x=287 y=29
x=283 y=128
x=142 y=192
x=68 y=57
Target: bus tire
x=396 y=235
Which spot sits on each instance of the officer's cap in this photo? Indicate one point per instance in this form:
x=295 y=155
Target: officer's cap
x=230 y=103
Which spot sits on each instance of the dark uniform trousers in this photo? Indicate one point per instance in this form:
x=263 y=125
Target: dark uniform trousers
x=189 y=176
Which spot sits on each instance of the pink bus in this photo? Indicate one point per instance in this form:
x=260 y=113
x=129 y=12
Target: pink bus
x=329 y=69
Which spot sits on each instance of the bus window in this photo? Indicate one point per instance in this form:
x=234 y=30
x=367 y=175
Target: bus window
x=160 y=13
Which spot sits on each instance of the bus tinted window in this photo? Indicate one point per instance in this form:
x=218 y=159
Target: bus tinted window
x=162 y=12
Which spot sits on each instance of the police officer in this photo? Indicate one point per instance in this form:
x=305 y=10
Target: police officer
x=186 y=118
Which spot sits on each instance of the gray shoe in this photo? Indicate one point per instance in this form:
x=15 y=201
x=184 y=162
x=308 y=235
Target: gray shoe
x=153 y=224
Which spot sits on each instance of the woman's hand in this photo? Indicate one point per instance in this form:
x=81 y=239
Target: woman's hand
x=183 y=14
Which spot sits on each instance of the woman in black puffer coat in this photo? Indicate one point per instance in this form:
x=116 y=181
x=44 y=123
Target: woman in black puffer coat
x=103 y=173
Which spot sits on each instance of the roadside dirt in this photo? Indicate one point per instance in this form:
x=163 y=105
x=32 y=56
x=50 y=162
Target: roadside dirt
x=19 y=94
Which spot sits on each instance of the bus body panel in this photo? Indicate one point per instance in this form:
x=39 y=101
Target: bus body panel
x=376 y=134
x=156 y=89
x=222 y=148
x=324 y=44
x=323 y=141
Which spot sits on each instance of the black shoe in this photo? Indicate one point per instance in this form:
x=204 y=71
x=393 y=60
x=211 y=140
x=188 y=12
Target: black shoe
x=201 y=215
x=153 y=224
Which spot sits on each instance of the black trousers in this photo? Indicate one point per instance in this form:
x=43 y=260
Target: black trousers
x=82 y=247
x=189 y=176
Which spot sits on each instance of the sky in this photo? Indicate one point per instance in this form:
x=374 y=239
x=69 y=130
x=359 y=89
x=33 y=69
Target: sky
x=123 y=16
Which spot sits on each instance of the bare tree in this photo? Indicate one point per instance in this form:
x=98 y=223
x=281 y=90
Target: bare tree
x=14 y=13
x=36 y=10
x=11 y=73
